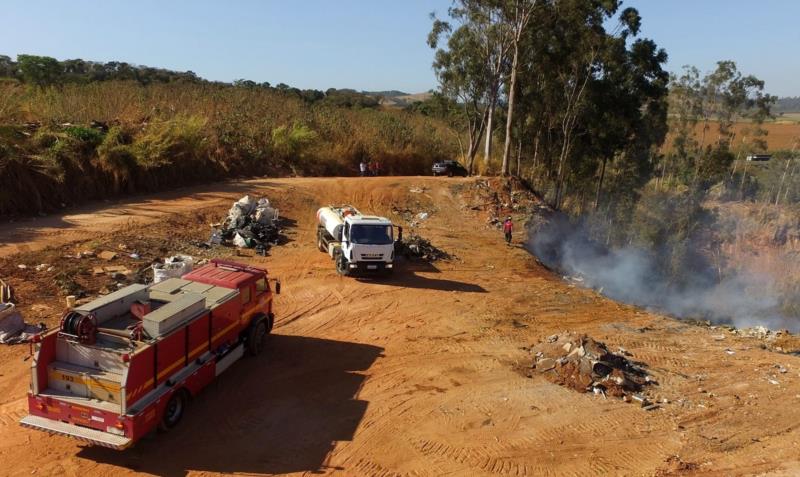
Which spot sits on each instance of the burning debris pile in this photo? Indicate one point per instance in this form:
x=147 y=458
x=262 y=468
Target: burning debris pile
x=419 y=248
x=583 y=364
x=250 y=224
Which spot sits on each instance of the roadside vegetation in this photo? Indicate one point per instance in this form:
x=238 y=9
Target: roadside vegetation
x=74 y=131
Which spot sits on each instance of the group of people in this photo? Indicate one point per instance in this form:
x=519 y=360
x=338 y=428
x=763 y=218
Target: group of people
x=371 y=168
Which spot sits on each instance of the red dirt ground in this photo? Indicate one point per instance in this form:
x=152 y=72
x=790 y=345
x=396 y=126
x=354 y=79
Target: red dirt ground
x=421 y=374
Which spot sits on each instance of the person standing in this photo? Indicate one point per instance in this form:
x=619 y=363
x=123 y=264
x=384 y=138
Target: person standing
x=508 y=227
x=363 y=168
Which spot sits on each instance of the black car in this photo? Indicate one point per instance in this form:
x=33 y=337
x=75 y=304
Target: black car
x=449 y=169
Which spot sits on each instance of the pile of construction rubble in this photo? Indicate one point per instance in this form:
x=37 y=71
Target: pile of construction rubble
x=249 y=224
x=419 y=248
x=585 y=365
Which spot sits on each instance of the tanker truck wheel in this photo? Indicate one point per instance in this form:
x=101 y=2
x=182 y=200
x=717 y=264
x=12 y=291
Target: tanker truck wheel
x=321 y=246
x=341 y=266
x=174 y=410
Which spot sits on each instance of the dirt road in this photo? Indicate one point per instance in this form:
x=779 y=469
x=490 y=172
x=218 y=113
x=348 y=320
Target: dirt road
x=422 y=374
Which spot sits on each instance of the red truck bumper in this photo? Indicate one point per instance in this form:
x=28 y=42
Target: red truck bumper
x=92 y=436
x=86 y=423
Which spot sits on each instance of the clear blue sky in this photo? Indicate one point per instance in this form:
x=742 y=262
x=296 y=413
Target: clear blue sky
x=363 y=44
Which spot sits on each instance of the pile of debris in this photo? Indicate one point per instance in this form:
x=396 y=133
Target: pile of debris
x=583 y=364
x=419 y=248
x=250 y=224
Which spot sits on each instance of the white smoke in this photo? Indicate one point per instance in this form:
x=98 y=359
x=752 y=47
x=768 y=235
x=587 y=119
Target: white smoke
x=630 y=274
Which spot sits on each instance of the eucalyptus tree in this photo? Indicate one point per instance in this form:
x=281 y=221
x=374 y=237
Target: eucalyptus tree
x=472 y=63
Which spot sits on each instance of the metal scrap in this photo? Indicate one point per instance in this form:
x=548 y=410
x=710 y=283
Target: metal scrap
x=416 y=247
x=249 y=224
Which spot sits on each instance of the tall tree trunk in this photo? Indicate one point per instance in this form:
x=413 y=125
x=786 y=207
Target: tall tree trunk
x=600 y=184
x=783 y=178
x=487 y=153
x=744 y=176
x=474 y=142
x=519 y=157
x=510 y=119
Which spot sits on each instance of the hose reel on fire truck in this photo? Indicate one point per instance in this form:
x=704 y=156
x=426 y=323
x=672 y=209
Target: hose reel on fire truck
x=80 y=326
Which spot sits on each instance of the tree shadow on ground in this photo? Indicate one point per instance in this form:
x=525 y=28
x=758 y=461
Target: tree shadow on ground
x=277 y=413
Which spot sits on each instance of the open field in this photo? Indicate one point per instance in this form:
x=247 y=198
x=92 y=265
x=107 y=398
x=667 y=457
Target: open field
x=781 y=135
x=421 y=374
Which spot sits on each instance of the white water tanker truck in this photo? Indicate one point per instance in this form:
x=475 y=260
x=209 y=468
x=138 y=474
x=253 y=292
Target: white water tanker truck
x=357 y=243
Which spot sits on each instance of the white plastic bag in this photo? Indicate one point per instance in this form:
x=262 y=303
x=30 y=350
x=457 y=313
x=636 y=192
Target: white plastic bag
x=173 y=267
x=11 y=323
x=239 y=241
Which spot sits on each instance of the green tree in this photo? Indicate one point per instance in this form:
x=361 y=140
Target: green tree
x=516 y=16
x=463 y=69
x=40 y=70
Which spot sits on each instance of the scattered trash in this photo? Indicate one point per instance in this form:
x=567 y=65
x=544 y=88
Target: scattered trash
x=112 y=270
x=216 y=237
x=422 y=216
x=135 y=256
x=417 y=190
x=730 y=351
x=773 y=381
x=420 y=248
x=249 y=224
x=760 y=332
x=12 y=327
x=581 y=363
x=22 y=266
x=107 y=255
x=71 y=301
x=41 y=267
x=173 y=267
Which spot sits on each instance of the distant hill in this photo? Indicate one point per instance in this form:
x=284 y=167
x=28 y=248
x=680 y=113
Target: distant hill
x=398 y=99
x=386 y=94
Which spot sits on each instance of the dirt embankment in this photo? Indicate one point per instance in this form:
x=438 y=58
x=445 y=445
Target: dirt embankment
x=421 y=374
x=763 y=239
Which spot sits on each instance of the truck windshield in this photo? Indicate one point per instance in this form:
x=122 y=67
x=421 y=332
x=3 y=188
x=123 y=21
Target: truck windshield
x=371 y=234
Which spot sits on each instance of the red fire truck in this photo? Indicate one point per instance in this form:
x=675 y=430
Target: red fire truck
x=126 y=364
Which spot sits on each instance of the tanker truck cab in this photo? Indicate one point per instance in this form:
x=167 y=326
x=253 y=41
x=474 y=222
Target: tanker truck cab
x=357 y=243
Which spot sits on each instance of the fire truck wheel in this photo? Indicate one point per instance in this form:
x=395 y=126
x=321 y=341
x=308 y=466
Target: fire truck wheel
x=257 y=339
x=320 y=245
x=270 y=322
x=174 y=411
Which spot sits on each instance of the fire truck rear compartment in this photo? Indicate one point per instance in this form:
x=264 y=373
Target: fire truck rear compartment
x=95 y=374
